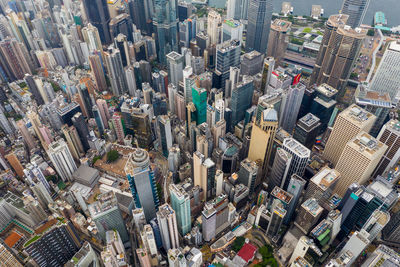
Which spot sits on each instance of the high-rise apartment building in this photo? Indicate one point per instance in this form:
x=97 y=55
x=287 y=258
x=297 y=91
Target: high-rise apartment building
x=180 y=202
x=356 y=10
x=165 y=22
x=62 y=159
x=142 y=182
x=91 y=37
x=259 y=23
x=339 y=49
x=360 y=157
x=384 y=80
x=278 y=39
x=166 y=218
x=349 y=123
x=15 y=63
x=107 y=216
x=97 y=71
x=113 y=61
x=262 y=136
x=114 y=253
x=98 y=15
x=204 y=174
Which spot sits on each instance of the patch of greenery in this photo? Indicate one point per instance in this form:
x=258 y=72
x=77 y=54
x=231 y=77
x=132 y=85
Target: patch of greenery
x=238 y=243
x=159 y=190
x=296 y=41
x=268 y=257
x=95 y=158
x=55 y=86
x=61 y=185
x=112 y=155
x=22 y=84
x=353 y=75
x=307 y=30
x=33 y=239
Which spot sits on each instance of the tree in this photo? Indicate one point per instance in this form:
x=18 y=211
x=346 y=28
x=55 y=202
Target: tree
x=112 y=155
x=371 y=32
x=238 y=243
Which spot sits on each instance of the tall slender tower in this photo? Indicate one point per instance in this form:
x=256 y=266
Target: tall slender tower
x=213 y=21
x=99 y=16
x=166 y=218
x=62 y=160
x=180 y=202
x=339 y=49
x=349 y=123
x=259 y=23
x=356 y=10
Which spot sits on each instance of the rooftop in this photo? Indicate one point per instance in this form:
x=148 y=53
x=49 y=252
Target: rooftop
x=247 y=252
x=310 y=120
x=325 y=177
x=326 y=90
x=296 y=147
x=366 y=144
x=280 y=25
x=282 y=195
x=311 y=205
x=357 y=114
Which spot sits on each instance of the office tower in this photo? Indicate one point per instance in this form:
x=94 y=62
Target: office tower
x=187 y=32
x=73 y=141
x=14 y=62
x=107 y=216
x=233 y=9
x=33 y=89
x=204 y=174
x=61 y=158
x=278 y=39
x=339 y=50
x=231 y=30
x=307 y=130
x=85 y=256
x=356 y=10
x=81 y=127
x=227 y=56
x=268 y=68
x=175 y=63
x=308 y=250
x=241 y=100
x=114 y=253
x=188 y=83
x=248 y=174
x=349 y=123
x=322 y=185
x=262 y=136
x=199 y=98
x=378 y=220
x=98 y=15
x=7 y=257
x=166 y=218
x=180 y=202
x=258 y=27
x=308 y=216
x=390 y=136
x=280 y=169
x=86 y=100
x=291 y=107
x=383 y=256
x=165 y=22
x=97 y=69
x=91 y=37
x=213 y=21
x=116 y=72
x=142 y=182
x=251 y=63
x=384 y=80
x=391 y=232
x=121 y=24
x=353 y=248
x=56 y=246
x=360 y=157
x=215 y=217
x=300 y=155
x=98 y=119
x=278 y=214
x=296 y=188
x=5 y=124
x=165 y=134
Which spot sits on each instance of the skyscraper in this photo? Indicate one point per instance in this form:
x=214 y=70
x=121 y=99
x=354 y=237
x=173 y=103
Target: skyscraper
x=99 y=16
x=107 y=216
x=204 y=174
x=73 y=141
x=81 y=127
x=241 y=100
x=339 y=49
x=62 y=160
x=166 y=218
x=165 y=134
x=322 y=184
x=356 y=10
x=248 y=174
x=295 y=187
x=390 y=136
x=213 y=21
x=180 y=202
x=175 y=63
x=142 y=182
x=349 y=123
x=165 y=24
x=7 y=257
x=199 y=98
x=116 y=71
x=307 y=129
x=233 y=9
x=385 y=78
x=291 y=107
x=278 y=40
x=308 y=216
x=280 y=169
x=359 y=158
x=227 y=56
x=258 y=27
x=300 y=155
x=91 y=37
x=98 y=71
x=121 y=24
x=262 y=136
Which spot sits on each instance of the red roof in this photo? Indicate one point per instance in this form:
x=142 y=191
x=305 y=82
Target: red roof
x=12 y=239
x=247 y=252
